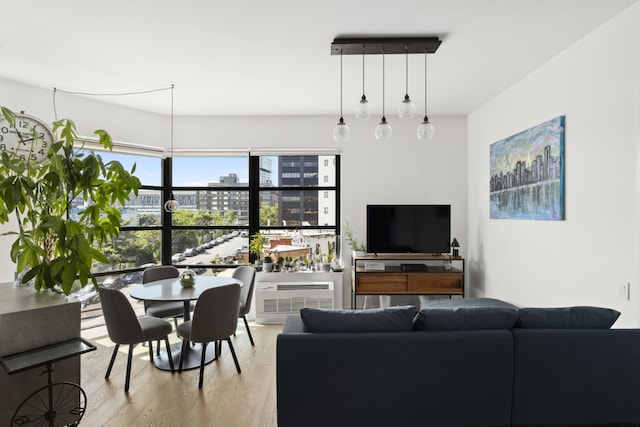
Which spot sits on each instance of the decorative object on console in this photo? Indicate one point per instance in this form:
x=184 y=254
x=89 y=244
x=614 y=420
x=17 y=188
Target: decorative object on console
x=384 y=46
x=454 y=246
x=527 y=173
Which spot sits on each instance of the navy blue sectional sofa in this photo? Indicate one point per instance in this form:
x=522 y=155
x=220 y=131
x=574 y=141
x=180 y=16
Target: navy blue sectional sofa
x=465 y=362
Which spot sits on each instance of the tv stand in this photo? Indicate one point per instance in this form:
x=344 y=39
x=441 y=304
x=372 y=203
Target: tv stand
x=398 y=279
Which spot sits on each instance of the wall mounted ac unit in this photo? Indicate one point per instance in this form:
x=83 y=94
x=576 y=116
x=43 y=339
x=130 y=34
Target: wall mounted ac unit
x=276 y=300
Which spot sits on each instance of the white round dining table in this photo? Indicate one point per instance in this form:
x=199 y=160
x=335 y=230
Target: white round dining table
x=171 y=290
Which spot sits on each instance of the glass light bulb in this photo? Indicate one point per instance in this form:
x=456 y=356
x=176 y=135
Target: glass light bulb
x=363 y=109
x=407 y=109
x=341 y=131
x=171 y=205
x=426 y=130
x=383 y=130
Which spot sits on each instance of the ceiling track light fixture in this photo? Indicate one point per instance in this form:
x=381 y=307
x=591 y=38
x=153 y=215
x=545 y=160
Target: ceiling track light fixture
x=385 y=46
x=426 y=130
x=363 y=109
x=341 y=130
x=383 y=130
x=172 y=204
x=407 y=109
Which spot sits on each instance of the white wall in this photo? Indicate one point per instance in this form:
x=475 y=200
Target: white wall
x=404 y=170
x=586 y=258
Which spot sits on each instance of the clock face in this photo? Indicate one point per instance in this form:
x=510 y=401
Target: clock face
x=30 y=138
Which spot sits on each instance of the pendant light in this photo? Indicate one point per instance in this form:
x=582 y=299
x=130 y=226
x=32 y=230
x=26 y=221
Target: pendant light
x=341 y=130
x=383 y=130
x=172 y=204
x=426 y=130
x=363 y=109
x=407 y=109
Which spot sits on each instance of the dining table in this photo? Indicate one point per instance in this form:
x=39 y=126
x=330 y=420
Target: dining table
x=171 y=290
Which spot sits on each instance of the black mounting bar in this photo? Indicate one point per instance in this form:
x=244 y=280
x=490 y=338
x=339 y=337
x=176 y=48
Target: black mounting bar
x=388 y=45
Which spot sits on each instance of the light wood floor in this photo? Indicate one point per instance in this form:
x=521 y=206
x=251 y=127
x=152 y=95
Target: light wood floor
x=159 y=398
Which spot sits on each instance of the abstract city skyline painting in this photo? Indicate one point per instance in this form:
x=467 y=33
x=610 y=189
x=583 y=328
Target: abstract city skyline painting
x=527 y=174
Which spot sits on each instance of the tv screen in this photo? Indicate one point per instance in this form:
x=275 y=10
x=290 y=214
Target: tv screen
x=424 y=229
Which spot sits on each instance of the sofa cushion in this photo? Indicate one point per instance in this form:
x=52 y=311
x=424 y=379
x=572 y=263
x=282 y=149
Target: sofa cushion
x=465 y=314
x=390 y=319
x=580 y=317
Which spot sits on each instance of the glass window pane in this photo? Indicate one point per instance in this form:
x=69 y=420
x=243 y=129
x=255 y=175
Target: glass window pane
x=207 y=207
x=132 y=248
x=315 y=245
x=210 y=171
x=297 y=208
x=298 y=171
x=148 y=169
x=206 y=246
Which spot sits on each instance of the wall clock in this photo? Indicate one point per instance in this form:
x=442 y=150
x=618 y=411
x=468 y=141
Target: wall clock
x=29 y=138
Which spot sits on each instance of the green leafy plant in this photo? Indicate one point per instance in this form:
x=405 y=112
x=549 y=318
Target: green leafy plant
x=352 y=241
x=54 y=248
x=258 y=244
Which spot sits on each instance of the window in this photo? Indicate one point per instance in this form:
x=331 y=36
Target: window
x=220 y=210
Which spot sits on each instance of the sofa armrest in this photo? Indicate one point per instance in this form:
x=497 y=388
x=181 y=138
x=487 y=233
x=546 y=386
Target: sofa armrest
x=293 y=324
x=576 y=376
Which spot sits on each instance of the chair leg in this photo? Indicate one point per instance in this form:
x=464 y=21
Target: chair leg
x=175 y=321
x=246 y=324
x=185 y=343
x=158 y=348
x=113 y=358
x=126 y=382
x=151 y=350
x=202 y=357
x=233 y=353
x=169 y=355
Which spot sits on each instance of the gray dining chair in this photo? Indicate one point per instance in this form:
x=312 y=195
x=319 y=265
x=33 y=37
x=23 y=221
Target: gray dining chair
x=124 y=327
x=215 y=318
x=162 y=309
x=247 y=275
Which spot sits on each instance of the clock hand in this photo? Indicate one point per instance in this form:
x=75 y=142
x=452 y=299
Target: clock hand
x=24 y=141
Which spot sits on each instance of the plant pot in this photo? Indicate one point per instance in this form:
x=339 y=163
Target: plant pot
x=267 y=267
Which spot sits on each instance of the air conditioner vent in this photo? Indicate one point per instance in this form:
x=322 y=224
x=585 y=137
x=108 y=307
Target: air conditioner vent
x=275 y=301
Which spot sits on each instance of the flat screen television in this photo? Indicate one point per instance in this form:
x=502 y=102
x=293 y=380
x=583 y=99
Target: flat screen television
x=406 y=229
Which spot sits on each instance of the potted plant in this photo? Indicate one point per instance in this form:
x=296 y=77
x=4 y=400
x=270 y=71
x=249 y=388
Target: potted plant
x=258 y=245
x=357 y=248
x=54 y=248
x=278 y=264
x=267 y=264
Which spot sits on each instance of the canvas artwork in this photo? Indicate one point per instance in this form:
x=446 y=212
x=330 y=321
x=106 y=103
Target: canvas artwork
x=527 y=173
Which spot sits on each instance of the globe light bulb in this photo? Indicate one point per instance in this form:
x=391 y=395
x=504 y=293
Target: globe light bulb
x=407 y=109
x=341 y=131
x=383 y=130
x=426 y=131
x=171 y=205
x=363 y=109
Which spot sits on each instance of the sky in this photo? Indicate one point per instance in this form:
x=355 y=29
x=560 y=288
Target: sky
x=187 y=171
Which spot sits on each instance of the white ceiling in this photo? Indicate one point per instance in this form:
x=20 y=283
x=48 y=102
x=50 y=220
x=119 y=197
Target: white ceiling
x=257 y=57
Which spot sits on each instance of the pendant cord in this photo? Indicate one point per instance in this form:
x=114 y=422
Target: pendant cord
x=406 y=68
x=363 y=71
x=425 y=83
x=340 y=83
x=383 y=83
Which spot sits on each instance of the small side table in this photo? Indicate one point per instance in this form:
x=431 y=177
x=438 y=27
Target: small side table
x=61 y=403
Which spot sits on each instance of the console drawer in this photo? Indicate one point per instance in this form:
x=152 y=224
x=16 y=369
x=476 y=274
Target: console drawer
x=381 y=282
x=435 y=283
